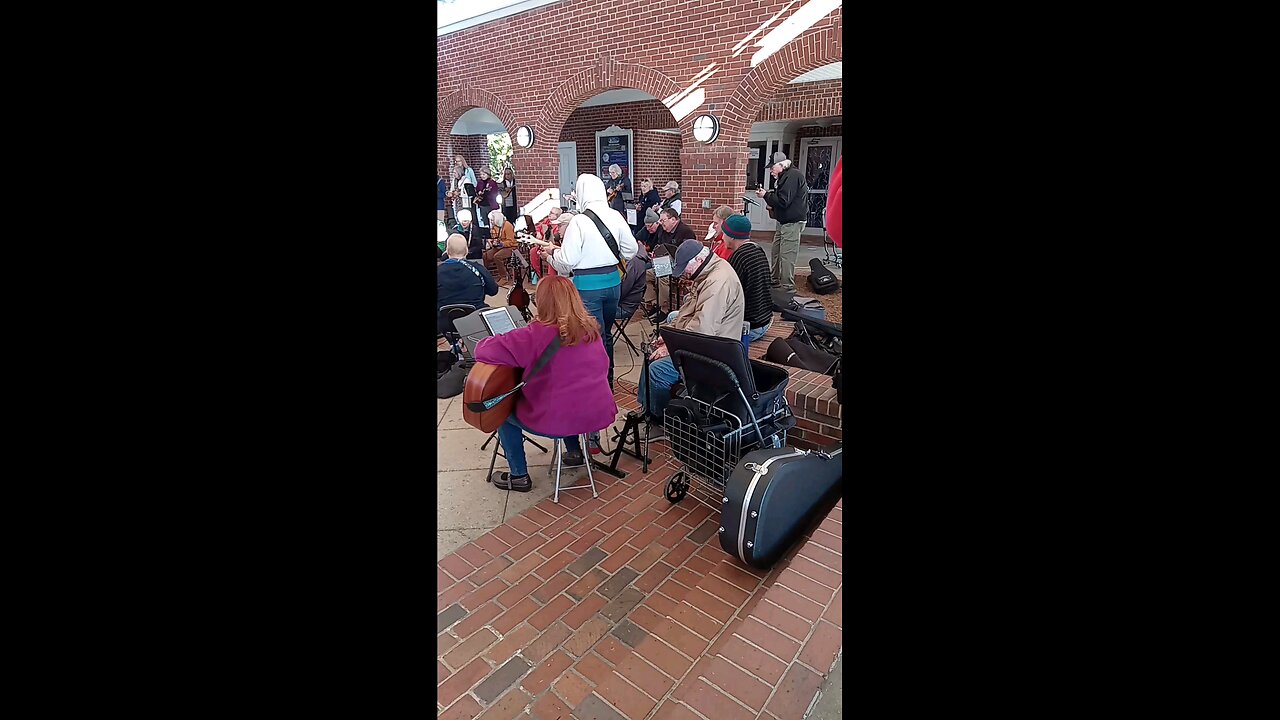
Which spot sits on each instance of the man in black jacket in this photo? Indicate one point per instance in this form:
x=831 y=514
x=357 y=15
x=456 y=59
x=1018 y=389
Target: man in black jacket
x=461 y=282
x=789 y=201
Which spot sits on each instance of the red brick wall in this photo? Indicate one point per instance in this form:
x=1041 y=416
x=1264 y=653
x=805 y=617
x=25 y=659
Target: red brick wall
x=657 y=157
x=656 y=154
x=806 y=100
x=475 y=148
x=573 y=50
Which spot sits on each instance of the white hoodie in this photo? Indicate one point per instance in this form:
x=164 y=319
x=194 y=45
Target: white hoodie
x=583 y=247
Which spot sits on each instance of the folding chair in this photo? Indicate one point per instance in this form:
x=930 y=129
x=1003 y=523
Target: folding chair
x=830 y=253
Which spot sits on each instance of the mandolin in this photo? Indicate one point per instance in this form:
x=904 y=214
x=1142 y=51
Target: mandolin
x=767 y=206
x=519 y=297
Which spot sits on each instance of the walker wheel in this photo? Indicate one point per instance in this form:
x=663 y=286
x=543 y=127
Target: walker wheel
x=676 y=489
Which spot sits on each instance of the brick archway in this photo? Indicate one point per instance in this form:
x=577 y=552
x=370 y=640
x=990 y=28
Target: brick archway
x=538 y=167
x=768 y=78
x=454 y=105
x=607 y=75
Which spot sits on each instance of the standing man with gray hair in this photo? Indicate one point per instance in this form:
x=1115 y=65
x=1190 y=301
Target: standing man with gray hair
x=789 y=204
x=616 y=186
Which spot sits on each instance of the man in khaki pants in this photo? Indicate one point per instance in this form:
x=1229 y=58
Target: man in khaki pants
x=789 y=201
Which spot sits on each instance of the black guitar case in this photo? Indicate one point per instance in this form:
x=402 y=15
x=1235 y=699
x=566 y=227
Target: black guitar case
x=771 y=498
x=821 y=278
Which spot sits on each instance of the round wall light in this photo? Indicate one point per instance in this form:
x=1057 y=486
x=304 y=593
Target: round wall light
x=706 y=129
x=524 y=136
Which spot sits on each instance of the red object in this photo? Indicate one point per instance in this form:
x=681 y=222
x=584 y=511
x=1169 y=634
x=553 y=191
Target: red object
x=835 y=199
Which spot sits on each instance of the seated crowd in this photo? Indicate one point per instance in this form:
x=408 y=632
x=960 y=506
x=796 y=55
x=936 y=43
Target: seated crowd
x=593 y=270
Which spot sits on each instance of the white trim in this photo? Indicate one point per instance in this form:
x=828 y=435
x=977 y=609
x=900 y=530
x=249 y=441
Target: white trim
x=492 y=15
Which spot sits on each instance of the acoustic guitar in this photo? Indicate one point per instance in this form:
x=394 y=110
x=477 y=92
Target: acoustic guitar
x=489 y=386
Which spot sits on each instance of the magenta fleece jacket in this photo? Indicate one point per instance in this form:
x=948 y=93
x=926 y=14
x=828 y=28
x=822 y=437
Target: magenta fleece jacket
x=570 y=395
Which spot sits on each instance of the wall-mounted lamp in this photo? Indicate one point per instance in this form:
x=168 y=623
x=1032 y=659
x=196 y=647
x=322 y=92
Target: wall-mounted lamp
x=524 y=136
x=706 y=129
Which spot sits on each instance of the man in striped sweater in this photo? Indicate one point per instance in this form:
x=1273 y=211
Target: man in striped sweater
x=752 y=266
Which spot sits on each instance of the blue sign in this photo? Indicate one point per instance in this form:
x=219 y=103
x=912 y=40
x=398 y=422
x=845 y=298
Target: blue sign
x=614 y=150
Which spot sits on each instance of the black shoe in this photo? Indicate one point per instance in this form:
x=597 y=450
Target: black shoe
x=504 y=481
x=573 y=459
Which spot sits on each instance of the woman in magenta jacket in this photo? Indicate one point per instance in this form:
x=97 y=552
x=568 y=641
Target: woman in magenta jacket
x=567 y=397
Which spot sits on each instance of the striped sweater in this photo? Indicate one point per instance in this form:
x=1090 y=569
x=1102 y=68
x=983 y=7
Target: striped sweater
x=752 y=266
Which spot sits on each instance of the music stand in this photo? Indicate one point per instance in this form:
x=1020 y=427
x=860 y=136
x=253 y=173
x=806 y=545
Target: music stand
x=632 y=424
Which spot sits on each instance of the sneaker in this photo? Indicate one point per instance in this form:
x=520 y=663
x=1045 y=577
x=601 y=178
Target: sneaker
x=573 y=459
x=504 y=481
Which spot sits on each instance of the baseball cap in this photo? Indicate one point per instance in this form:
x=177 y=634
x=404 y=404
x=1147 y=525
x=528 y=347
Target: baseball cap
x=671 y=185
x=778 y=157
x=650 y=217
x=687 y=251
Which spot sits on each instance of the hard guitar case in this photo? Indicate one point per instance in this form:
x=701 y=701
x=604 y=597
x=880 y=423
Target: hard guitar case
x=771 y=498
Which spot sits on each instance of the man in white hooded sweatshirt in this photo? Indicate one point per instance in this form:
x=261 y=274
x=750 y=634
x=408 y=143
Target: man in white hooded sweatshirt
x=584 y=253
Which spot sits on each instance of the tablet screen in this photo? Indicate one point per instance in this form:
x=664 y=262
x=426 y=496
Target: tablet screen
x=498 y=321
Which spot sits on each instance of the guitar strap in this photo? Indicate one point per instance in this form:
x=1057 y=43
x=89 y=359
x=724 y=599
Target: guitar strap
x=608 y=240
x=543 y=359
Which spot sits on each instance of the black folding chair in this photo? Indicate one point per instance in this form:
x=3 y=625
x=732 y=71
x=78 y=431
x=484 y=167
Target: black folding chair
x=450 y=333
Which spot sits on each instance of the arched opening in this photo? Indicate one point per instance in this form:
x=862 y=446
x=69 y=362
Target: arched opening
x=481 y=138
x=804 y=121
x=627 y=127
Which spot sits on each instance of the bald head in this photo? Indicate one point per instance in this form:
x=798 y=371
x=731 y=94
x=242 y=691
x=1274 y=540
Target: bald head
x=456 y=246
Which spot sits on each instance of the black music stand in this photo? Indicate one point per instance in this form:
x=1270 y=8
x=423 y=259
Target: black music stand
x=632 y=424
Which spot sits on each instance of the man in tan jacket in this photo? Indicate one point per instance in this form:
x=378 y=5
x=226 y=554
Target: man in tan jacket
x=715 y=307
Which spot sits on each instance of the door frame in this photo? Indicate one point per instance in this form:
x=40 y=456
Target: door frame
x=834 y=143
x=572 y=147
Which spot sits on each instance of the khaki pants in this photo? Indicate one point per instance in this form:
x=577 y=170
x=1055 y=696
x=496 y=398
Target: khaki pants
x=657 y=289
x=786 y=248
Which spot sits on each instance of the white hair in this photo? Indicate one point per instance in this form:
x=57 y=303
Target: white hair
x=496 y=217
x=615 y=167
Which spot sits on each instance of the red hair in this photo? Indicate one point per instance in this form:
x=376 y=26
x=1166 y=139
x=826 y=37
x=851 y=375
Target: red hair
x=560 y=305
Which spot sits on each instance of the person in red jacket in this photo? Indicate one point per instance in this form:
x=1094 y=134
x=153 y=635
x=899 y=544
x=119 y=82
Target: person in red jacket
x=835 y=198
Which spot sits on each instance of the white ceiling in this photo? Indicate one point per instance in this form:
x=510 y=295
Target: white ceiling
x=478 y=121
x=617 y=97
x=826 y=72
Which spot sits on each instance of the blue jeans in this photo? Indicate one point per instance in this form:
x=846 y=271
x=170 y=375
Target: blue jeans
x=510 y=434
x=603 y=305
x=662 y=375
x=758 y=333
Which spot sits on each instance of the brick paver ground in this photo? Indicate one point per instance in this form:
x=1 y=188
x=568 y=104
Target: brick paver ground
x=625 y=606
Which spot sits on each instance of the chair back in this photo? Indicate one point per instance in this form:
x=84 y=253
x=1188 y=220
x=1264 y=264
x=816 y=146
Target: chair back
x=712 y=367
x=449 y=313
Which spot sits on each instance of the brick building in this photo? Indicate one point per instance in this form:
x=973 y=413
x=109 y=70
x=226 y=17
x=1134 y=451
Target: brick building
x=767 y=70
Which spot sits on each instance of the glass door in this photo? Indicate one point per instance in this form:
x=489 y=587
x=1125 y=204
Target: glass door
x=820 y=155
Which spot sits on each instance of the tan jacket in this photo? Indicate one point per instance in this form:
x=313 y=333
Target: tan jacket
x=716 y=306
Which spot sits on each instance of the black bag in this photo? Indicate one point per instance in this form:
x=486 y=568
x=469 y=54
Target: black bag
x=821 y=278
x=444 y=360
x=772 y=497
x=450 y=383
x=800 y=355
x=806 y=307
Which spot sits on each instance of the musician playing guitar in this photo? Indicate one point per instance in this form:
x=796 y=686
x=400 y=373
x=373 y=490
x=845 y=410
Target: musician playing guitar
x=616 y=186
x=567 y=396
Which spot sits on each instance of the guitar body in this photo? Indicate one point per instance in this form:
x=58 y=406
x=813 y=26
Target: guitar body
x=488 y=381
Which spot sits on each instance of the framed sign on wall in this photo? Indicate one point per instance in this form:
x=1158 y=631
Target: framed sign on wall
x=614 y=146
